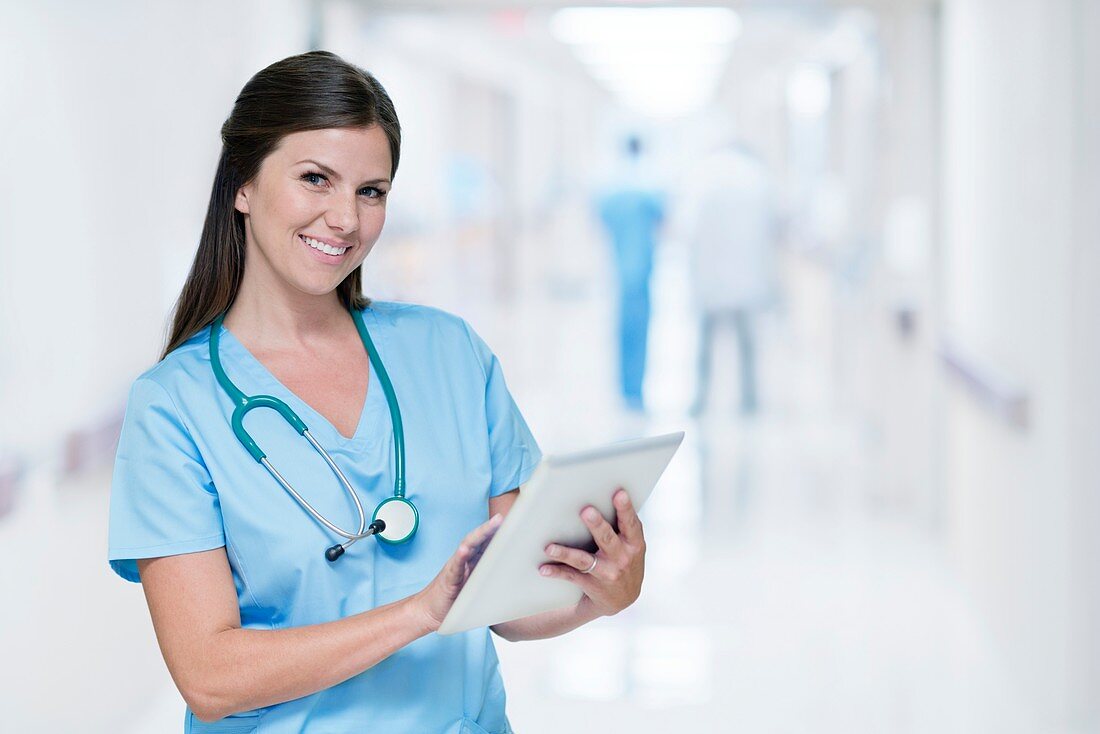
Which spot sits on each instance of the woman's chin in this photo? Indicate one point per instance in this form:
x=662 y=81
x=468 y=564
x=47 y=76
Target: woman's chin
x=318 y=288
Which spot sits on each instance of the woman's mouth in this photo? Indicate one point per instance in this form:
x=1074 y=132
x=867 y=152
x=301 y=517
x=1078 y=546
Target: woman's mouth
x=329 y=250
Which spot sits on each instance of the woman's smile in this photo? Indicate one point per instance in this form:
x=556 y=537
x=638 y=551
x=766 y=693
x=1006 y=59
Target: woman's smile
x=325 y=251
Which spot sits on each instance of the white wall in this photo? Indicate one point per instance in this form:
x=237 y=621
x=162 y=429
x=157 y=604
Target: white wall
x=901 y=390
x=1084 y=363
x=109 y=160
x=108 y=143
x=1019 y=272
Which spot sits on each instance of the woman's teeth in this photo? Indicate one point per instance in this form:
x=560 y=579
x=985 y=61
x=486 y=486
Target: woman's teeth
x=327 y=249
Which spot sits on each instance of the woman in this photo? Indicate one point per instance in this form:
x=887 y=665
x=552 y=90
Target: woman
x=260 y=630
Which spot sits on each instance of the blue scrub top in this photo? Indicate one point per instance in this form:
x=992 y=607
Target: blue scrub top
x=631 y=216
x=183 y=483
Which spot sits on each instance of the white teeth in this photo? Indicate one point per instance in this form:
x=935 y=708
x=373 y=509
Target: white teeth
x=327 y=249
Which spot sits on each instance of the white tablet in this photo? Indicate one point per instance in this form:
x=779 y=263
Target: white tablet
x=505 y=584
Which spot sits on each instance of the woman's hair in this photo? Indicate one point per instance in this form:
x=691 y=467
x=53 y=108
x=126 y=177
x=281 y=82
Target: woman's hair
x=310 y=91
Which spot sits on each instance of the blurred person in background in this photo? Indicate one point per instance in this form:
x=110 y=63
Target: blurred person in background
x=631 y=212
x=730 y=225
x=258 y=623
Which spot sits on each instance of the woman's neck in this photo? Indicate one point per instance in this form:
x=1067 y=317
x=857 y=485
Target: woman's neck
x=270 y=314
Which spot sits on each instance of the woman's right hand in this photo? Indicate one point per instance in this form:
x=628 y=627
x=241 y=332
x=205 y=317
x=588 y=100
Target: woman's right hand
x=436 y=598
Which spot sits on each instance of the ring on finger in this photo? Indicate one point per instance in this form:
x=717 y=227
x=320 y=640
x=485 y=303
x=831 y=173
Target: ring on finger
x=591 y=568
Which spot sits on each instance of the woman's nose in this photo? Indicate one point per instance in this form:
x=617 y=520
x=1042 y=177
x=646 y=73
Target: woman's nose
x=343 y=215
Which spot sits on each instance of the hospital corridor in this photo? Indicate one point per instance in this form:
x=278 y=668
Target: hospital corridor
x=851 y=248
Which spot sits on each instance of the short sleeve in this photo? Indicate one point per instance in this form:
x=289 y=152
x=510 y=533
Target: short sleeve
x=163 y=501
x=514 y=454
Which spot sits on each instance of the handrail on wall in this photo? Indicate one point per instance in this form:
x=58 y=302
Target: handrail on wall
x=11 y=473
x=93 y=444
x=993 y=390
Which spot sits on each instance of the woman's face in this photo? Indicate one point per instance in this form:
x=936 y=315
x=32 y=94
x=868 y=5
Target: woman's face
x=316 y=207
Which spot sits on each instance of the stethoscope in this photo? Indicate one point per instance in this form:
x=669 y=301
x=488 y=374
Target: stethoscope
x=396 y=519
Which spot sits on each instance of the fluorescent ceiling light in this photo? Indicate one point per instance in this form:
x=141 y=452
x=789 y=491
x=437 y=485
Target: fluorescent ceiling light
x=608 y=25
x=666 y=55
x=662 y=61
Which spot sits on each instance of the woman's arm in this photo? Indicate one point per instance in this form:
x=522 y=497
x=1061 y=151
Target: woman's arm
x=612 y=586
x=548 y=624
x=221 y=668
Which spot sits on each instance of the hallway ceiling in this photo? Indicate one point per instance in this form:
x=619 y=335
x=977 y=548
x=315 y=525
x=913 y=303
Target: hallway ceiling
x=484 y=5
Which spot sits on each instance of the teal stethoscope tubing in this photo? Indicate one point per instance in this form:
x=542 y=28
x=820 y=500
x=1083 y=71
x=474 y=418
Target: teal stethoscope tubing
x=245 y=403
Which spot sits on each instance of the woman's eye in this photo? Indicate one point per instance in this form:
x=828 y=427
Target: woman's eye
x=316 y=179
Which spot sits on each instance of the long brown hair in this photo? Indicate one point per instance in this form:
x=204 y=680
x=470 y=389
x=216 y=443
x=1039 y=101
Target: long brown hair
x=310 y=91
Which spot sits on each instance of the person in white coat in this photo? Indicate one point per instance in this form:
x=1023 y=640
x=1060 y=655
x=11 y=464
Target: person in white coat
x=730 y=225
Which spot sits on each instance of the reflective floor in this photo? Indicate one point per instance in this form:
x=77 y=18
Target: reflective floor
x=779 y=596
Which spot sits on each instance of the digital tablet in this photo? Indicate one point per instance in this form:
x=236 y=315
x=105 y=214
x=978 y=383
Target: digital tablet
x=505 y=584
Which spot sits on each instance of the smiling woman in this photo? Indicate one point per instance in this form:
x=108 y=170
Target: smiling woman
x=307 y=230
x=312 y=98
x=258 y=623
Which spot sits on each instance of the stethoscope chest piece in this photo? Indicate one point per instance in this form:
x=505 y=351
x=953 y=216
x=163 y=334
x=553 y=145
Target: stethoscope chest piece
x=400 y=517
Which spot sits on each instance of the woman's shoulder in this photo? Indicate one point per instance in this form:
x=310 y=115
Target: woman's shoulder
x=403 y=311
x=428 y=329
x=415 y=317
x=179 y=365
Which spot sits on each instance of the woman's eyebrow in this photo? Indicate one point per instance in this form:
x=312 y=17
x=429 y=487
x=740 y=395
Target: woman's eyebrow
x=336 y=175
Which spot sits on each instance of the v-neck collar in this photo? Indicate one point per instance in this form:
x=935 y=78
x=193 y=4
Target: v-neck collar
x=262 y=381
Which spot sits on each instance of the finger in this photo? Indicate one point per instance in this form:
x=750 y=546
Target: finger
x=565 y=573
x=483 y=532
x=630 y=525
x=470 y=549
x=478 y=540
x=454 y=572
x=606 y=537
x=477 y=553
x=575 y=557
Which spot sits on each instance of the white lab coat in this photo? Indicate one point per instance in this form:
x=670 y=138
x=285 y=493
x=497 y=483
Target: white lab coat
x=729 y=224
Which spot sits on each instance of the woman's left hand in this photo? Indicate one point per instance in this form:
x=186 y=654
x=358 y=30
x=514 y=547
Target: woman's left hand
x=616 y=579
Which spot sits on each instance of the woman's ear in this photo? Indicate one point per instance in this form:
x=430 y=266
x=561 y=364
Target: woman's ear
x=241 y=201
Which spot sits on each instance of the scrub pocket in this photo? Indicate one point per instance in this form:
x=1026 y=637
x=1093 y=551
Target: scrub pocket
x=469 y=726
x=242 y=724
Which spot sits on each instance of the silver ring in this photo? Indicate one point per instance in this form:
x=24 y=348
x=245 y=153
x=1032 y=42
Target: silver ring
x=593 y=566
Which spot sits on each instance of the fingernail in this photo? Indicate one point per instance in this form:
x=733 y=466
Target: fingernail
x=591 y=514
x=553 y=551
x=544 y=570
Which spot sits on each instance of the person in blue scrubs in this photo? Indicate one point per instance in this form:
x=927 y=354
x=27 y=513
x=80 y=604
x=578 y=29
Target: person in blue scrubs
x=261 y=632
x=631 y=212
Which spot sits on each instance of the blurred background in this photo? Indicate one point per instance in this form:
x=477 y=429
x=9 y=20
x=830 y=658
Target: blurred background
x=850 y=247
